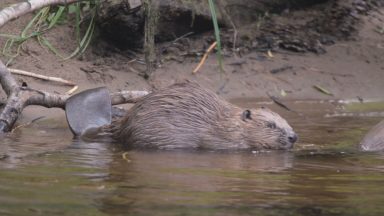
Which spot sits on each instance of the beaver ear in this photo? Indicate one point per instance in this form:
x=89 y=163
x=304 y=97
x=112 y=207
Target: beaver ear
x=246 y=115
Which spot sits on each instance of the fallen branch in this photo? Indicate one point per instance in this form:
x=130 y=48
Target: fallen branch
x=19 y=9
x=13 y=107
x=50 y=100
x=210 y=48
x=19 y=97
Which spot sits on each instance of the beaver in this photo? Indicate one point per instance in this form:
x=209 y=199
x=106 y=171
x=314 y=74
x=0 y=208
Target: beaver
x=374 y=139
x=186 y=115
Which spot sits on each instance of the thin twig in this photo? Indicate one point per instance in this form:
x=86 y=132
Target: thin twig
x=329 y=73
x=210 y=48
x=182 y=36
x=35 y=75
x=27 y=124
x=72 y=90
x=278 y=102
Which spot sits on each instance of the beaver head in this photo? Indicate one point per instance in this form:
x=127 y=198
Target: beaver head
x=266 y=129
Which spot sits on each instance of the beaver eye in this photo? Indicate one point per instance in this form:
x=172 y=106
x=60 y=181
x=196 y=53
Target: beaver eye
x=271 y=125
x=246 y=115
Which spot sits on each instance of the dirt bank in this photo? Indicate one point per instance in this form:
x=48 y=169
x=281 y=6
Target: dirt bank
x=349 y=67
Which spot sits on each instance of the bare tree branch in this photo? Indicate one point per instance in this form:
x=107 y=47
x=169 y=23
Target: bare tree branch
x=6 y=80
x=13 y=108
x=50 y=100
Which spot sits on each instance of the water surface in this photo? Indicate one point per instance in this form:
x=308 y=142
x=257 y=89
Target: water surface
x=43 y=171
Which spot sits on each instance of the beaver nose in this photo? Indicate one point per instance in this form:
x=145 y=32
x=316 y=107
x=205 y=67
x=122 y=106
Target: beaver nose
x=292 y=138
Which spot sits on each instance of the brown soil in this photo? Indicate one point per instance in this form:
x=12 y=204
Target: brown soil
x=350 y=66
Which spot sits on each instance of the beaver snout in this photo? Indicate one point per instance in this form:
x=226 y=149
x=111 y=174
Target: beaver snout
x=292 y=138
x=289 y=141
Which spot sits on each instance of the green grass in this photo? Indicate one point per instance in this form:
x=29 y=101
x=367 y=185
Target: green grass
x=50 y=17
x=365 y=107
x=217 y=32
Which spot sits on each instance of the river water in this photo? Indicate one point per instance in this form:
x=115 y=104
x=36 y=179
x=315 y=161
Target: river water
x=43 y=171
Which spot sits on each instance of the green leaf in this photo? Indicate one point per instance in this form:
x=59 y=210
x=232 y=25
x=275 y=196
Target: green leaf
x=217 y=33
x=86 y=39
x=46 y=19
x=9 y=36
x=72 y=8
x=78 y=22
x=322 y=90
x=42 y=40
x=56 y=17
x=283 y=93
x=30 y=24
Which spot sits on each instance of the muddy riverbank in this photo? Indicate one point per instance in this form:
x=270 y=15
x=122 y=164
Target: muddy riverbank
x=351 y=67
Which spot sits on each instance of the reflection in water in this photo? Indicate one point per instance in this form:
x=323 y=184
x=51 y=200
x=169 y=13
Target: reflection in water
x=41 y=137
x=43 y=171
x=195 y=179
x=270 y=183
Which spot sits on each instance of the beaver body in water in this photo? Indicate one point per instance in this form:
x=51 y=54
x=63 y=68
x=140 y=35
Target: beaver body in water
x=185 y=115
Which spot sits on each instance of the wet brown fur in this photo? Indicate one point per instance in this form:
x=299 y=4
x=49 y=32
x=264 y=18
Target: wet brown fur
x=185 y=115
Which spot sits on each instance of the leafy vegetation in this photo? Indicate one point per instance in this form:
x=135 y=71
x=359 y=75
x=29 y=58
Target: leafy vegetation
x=49 y=17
